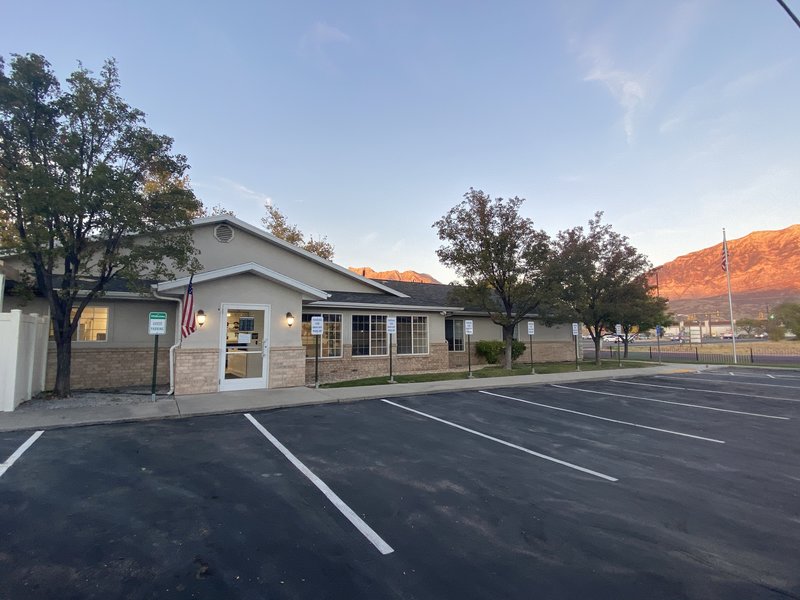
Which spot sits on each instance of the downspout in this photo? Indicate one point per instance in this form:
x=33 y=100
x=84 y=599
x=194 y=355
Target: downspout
x=178 y=337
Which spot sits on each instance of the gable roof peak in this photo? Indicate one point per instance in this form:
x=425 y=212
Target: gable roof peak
x=275 y=240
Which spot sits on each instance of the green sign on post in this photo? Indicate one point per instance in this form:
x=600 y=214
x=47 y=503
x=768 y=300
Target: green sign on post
x=157 y=325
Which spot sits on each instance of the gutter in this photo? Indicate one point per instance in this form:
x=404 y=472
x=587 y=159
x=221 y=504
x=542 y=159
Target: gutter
x=178 y=337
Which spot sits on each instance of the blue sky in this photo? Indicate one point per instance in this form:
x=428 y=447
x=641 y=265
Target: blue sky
x=366 y=121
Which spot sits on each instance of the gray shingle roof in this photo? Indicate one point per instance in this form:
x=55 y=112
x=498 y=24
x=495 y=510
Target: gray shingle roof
x=419 y=294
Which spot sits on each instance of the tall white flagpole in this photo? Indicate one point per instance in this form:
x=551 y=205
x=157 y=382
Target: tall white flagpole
x=727 y=267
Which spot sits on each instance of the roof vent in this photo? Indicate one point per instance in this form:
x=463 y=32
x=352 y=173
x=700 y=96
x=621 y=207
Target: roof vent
x=223 y=233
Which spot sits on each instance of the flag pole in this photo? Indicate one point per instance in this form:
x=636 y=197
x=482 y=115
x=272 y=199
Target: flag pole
x=726 y=267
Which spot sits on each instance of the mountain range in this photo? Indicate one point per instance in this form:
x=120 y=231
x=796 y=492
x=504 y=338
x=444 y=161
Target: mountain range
x=764 y=267
x=394 y=275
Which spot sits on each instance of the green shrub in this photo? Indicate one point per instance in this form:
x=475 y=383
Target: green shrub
x=493 y=350
x=490 y=350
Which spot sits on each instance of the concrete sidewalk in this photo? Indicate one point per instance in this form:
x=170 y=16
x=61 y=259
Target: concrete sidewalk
x=253 y=400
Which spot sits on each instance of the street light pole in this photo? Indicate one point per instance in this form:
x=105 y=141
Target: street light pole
x=658 y=325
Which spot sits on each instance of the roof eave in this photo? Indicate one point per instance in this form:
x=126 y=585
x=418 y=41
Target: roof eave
x=295 y=249
x=309 y=292
x=375 y=306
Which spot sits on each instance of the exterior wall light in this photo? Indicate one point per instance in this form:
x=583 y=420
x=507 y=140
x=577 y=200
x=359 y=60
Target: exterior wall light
x=200 y=317
x=289 y=319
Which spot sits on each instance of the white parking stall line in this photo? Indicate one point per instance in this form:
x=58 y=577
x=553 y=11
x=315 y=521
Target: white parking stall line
x=583 y=414
x=505 y=443
x=687 y=404
x=739 y=374
x=351 y=516
x=688 y=389
x=18 y=452
x=782 y=376
x=775 y=385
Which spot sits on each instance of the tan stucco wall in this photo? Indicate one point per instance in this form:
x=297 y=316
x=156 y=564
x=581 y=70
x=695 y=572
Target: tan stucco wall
x=127 y=321
x=246 y=247
x=245 y=289
x=204 y=345
x=485 y=329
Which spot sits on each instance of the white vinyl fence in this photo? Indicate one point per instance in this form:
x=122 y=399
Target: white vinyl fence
x=23 y=357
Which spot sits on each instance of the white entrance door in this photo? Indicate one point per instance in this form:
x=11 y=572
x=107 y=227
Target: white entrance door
x=244 y=347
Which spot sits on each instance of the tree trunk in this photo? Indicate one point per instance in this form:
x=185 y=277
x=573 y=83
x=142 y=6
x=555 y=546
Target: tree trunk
x=508 y=338
x=597 y=341
x=63 y=366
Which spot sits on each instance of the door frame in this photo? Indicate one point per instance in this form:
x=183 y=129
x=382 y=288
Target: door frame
x=247 y=383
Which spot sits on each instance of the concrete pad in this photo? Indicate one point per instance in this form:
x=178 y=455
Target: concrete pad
x=71 y=417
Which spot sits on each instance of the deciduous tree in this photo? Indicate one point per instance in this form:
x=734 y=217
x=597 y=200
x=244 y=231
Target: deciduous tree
x=788 y=314
x=636 y=307
x=74 y=194
x=501 y=257
x=276 y=223
x=751 y=326
x=595 y=269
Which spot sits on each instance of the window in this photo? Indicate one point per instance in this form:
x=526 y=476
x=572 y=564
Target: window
x=454 y=332
x=369 y=335
x=412 y=335
x=92 y=327
x=330 y=342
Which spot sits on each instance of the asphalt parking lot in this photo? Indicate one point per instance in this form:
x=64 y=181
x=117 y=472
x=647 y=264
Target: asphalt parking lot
x=676 y=486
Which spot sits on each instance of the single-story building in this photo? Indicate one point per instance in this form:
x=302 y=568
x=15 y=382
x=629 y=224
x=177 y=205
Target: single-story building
x=253 y=301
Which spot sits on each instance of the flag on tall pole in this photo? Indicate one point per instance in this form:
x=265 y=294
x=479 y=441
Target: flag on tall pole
x=727 y=270
x=188 y=325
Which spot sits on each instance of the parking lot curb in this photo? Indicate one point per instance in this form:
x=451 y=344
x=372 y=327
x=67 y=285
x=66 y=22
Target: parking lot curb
x=205 y=405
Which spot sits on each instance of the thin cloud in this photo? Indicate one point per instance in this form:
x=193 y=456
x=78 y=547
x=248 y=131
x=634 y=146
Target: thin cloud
x=637 y=87
x=627 y=89
x=570 y=178
x=709 y=101
x=371 y=237
x=321 y=35
x=754 y=79
x=244 y=192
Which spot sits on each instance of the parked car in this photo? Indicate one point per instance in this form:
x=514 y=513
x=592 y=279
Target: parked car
x=676 y=338
x=762 y=335
x=612 y=338
x=727 y=335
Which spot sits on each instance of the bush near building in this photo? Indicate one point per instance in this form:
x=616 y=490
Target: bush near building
x=492 y=350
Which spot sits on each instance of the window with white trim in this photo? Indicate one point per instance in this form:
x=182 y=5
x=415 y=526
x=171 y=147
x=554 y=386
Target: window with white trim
x=454 y=333
x=369 y=335
x=330 y=342
x=412 y=335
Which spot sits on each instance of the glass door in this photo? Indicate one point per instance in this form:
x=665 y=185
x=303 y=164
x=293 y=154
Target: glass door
x=244 y=347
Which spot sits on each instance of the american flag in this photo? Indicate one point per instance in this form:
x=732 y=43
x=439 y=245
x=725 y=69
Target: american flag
x=724 y=256
x=188 y=325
